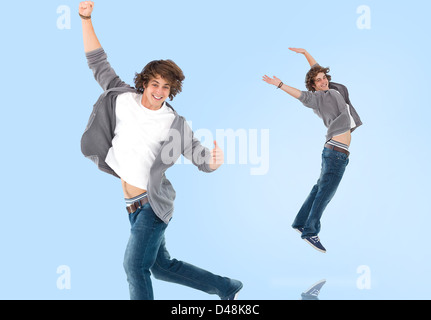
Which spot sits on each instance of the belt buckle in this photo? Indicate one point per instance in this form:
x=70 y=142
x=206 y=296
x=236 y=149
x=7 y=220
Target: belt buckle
x=132 y=208
x=136 y=205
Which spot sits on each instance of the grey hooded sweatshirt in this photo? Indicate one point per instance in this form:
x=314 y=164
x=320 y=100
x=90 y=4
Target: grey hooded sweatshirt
x=97 y=138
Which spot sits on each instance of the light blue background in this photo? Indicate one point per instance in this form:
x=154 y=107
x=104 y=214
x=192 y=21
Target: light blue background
x=57 y=209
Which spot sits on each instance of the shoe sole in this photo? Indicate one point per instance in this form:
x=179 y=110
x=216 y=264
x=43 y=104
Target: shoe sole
x=235 y=297
x=297 y=230
x=320 y=250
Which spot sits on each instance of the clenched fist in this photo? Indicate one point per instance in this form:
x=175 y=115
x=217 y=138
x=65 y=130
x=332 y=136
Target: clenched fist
x=86 y=8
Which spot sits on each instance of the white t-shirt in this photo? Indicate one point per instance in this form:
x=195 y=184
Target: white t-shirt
x=139 y=133
x=352 y=121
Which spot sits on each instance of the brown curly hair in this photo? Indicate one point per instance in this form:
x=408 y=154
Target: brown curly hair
x=312 y=74
x=167 y=69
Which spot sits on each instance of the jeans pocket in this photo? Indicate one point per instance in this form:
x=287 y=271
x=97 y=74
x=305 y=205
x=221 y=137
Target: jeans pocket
x=134 y=215
x=336 y=164
x=341 y=157
x=338 y=156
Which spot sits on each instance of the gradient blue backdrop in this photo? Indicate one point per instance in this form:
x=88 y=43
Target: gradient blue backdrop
x=57 y=209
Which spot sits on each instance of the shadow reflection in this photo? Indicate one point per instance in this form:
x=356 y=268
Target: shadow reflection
x=313 y=292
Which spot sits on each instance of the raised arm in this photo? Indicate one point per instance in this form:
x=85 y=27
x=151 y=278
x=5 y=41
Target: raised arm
x=308 y=56
x=96 y=57
x=279 y=84
x=90 y=39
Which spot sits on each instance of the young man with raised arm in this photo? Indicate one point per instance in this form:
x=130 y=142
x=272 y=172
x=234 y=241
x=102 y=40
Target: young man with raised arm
x=135 y=135
x=330 y=101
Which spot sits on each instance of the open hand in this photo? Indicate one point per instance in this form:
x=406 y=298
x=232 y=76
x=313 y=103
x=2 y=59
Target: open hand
x=298 y=50
x=86 y=8
x=217 y=157
x=274 y=80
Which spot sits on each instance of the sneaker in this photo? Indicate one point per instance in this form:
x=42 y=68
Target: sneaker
x=299 y=230
x=234 y=296
x=314 y=241
x=313 y=292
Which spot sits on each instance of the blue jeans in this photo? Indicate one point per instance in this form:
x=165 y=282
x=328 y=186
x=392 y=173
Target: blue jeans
x=146 y=253
x=334 y=164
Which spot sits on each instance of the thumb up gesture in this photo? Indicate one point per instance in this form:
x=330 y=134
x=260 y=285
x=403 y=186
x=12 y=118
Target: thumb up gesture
x=217 y=157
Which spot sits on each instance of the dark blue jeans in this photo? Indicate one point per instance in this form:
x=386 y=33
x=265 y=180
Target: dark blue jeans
x=146 y=253
x=334 y=164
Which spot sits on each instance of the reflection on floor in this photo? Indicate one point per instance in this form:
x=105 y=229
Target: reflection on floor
x=313 y=292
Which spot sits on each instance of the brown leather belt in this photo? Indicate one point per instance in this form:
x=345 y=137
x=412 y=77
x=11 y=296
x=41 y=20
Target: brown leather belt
x=136 y=205
x=330 y=146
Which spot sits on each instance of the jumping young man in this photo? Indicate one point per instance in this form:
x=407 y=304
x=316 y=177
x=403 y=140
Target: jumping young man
x=330 y=101
x=135 y=135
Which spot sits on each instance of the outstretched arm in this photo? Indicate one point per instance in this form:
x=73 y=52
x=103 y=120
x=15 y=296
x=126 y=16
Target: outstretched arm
x=277 y=82
x=308 y=56
x=90 y=39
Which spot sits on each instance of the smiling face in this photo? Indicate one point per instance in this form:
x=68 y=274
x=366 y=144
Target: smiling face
x=321 y=82
x=317 y=79
x=155 y=93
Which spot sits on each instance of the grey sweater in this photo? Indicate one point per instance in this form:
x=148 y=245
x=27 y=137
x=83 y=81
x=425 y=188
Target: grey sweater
x=331 y=106
x=97 y=138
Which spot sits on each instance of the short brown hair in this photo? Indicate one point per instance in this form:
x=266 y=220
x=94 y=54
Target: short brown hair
x=309 y=78
x=167 y=69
